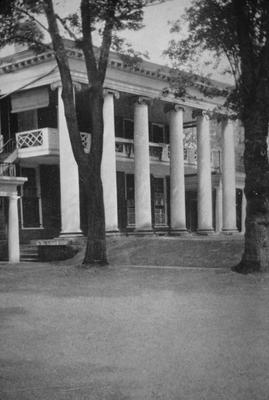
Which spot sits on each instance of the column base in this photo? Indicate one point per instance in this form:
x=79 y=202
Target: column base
x=143 y=232
x=113 y=232
x=70 y=234
x=73 y=237
x=178 y=232
x=206 y=232
x=229 y=231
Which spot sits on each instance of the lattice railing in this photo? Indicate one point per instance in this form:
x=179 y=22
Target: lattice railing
x=86 y=141
x=190 y=155
x=28 y=139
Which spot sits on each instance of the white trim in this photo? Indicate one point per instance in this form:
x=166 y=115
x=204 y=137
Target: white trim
x=32 y=229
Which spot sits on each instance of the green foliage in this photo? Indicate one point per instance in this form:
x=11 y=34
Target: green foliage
x=20 y=20
x=237 y=29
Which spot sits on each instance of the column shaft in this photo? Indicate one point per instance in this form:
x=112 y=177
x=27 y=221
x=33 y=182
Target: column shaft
x=69 y=178
x=13 y=230
x=143 y=218
x=108 y=167
x=218 y=210
x=204 y=175
x=228 y=177
x=243 y=212
x=177 y=179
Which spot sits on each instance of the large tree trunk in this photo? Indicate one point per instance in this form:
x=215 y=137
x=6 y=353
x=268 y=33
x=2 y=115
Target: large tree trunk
x=89 y=165
x=92 y=183
x=96 y=242
x=256 y=252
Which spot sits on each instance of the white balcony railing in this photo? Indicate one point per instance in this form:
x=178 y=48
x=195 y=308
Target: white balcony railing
x=7 y=169
x=86 y=139
x=37 y=142
x=44 y=141
x=161 y=152
x=124 y=147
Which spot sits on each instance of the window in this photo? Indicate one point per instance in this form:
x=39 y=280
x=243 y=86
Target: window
x=27 y=120
x=157 y=133
x=128 y=128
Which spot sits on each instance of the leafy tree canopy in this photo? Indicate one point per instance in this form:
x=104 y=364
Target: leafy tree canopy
x=237 y=29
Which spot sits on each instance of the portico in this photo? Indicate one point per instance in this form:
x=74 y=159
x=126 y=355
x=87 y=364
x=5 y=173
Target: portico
x=166 y=165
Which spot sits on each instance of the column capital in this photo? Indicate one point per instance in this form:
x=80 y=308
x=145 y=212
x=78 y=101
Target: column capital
x=14 y=196
x=58 y=85
x=142 y=100
x=114 y=93
x=202 y=113
x=173 y=107
x=227 y=120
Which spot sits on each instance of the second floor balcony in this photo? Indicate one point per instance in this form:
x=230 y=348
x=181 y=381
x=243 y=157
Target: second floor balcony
x=45 y=141
x=37 y=142
x=160 y=152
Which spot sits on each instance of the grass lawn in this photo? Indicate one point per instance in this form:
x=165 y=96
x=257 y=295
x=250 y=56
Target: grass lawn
x=197 y=252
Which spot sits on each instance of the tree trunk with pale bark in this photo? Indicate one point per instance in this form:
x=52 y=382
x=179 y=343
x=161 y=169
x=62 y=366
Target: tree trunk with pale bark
x=256 y=251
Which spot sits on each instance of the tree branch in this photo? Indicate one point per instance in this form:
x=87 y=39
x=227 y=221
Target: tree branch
x=244 y=39
x=105 y=48
x=87 y=44
x=68 y=30
x=67 y=84
x=23 y=11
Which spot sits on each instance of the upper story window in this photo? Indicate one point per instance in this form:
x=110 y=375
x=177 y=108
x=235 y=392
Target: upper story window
x=157 y=133
x=124 y=127
x=128 y=128
x=34 y=108
x=27 y=120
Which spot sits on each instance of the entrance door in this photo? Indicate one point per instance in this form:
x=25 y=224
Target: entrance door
x=159 y=202
x=30 y=200
x=191 y=211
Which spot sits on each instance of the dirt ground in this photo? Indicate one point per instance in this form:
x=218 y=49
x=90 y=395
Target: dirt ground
x=132 y=333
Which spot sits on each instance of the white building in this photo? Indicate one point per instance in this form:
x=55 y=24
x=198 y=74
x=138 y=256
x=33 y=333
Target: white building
x=167 y=167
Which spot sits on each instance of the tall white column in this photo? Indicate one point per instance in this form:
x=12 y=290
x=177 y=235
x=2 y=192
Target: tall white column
x=218 y=210
x=177 y=179
x=228 y=177
x=143 y=220
x=69 y=178
x=243 y=212
x=13 y=230
x=108 y=167
x=204 y=174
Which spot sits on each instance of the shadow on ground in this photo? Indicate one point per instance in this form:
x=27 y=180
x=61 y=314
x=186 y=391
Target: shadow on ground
x=127 y=333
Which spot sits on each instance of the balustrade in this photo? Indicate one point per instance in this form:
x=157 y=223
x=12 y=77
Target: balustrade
x=86 y=141
x=7 y=169
x=161 y=152
x=30 y=138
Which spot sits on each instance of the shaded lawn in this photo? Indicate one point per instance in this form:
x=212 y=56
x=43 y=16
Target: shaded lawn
x=167 y=251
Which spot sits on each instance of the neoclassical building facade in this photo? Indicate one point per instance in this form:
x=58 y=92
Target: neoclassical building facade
x=167 y=167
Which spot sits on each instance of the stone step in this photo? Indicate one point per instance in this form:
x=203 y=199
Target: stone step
x=28 y=252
